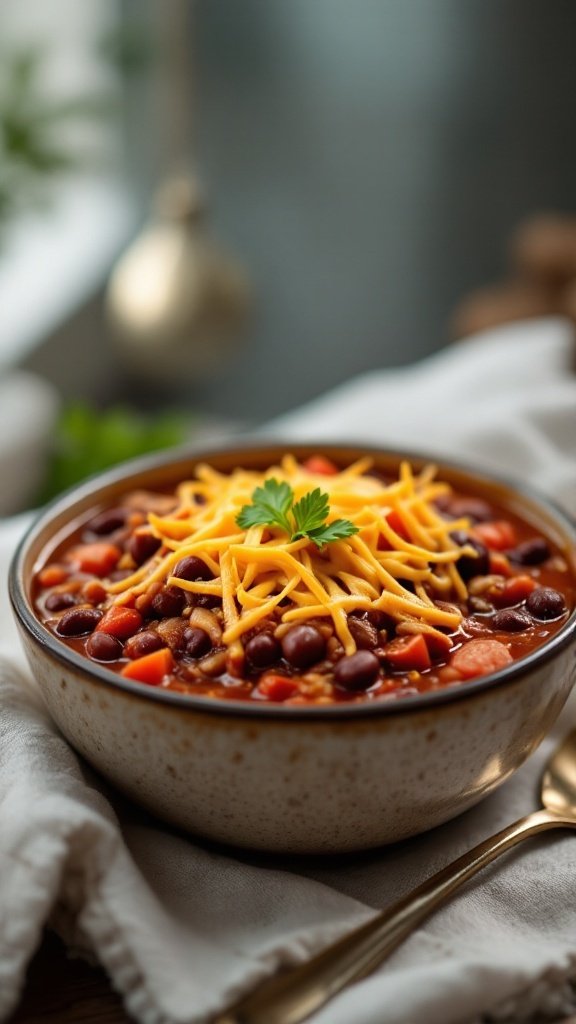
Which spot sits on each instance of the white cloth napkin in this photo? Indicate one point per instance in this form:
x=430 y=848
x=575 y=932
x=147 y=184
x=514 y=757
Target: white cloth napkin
x=182 y=929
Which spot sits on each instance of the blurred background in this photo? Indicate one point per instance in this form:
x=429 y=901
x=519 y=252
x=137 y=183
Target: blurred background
x=212 y=211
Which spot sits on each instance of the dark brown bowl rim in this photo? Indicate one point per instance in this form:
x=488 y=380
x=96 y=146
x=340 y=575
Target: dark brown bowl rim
x=249 y=709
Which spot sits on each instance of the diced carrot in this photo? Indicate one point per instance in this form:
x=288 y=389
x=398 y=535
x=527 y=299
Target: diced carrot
x=480 y=657
x=98 y=558
x=120 y=622
x=151 y=668
x=277 y=687
x=497 y=535
x=499 y=564
x=51 y=575
x=320 y=464
x=408 y=652
x=515 y=590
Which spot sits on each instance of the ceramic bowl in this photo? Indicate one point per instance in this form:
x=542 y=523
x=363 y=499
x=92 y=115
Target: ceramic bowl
x=296 y=779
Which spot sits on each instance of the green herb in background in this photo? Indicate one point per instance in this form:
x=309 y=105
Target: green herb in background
x=33 y=151
x=88 y=440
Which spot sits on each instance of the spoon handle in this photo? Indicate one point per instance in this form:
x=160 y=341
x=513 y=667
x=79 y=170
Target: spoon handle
x=290 y=997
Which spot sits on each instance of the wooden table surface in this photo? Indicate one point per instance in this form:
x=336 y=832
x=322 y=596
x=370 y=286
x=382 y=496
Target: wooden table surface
x=63 y=991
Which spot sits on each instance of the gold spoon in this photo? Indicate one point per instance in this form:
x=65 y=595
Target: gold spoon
x=293 y=995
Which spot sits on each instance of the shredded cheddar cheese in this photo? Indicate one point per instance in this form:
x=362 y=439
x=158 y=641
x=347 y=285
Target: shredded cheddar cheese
x=402 y=560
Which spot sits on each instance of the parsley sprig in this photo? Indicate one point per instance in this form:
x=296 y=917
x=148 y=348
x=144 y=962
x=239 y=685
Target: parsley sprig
x=273 y=505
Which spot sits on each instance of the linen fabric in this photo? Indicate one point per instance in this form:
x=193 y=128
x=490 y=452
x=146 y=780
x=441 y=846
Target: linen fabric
x=181 y=928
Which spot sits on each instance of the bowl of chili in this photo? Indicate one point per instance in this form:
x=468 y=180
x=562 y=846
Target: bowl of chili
x=300 y=648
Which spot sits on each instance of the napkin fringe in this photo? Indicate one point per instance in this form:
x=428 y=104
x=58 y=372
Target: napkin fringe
x=551 y=996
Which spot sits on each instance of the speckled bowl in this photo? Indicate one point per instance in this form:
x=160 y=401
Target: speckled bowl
x=295 y=779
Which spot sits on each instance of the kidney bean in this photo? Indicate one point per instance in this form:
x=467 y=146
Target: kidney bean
x=58 y=602
x=357 y=671
x=263 y=650
x=303 y=645
x=108 y=521
x=196 y=641
x=545 y=603
x=192 y=568
x=511 y=620
x=531 y=552
x=168 y=603
x=364 y=632
x=143 y=643
x=142 y=546
x=103 y=647
x=471 y=565
x=78 y=621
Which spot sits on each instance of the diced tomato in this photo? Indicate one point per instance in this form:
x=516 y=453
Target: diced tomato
x=151 y=668
x=497 y=535
x=515 y=590
x=277 y=687
x=320 y=464
x=480 y=657
x=499 y=564
x=395 y=521
x=93 y=592
x=408 y=652
x=98 y=558
x=120 y=622
x=52 y=575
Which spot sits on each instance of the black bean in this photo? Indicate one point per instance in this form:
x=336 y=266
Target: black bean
x=471 y=565
x=204 y=600
x=545 y=603
x=303 y=645
x=142 y=546
x=475 y=508
x=58 y=602
x=357 y=671
x=531 y=552
x=108 y=521
x=364 y=632
x=263 y=650
x=197 y=643
x=119 y=574
x=192 y=568
x=103 y=646
x=78 y=621
x=511 y=620
x=143 y=643
x=379 y=618
x=168 y=603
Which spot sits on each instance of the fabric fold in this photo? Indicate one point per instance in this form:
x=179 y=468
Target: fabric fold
x=183 y=929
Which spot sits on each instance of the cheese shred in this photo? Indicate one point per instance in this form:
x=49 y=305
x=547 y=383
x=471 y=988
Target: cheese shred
x=402 y=561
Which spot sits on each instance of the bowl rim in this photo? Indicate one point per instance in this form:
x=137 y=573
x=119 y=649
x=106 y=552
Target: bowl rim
x=248 y=445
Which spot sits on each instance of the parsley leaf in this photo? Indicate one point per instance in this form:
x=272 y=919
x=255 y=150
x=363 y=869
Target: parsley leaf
x=336 y=530
x=273 y=505
x=270 y=506
x=310 y=512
